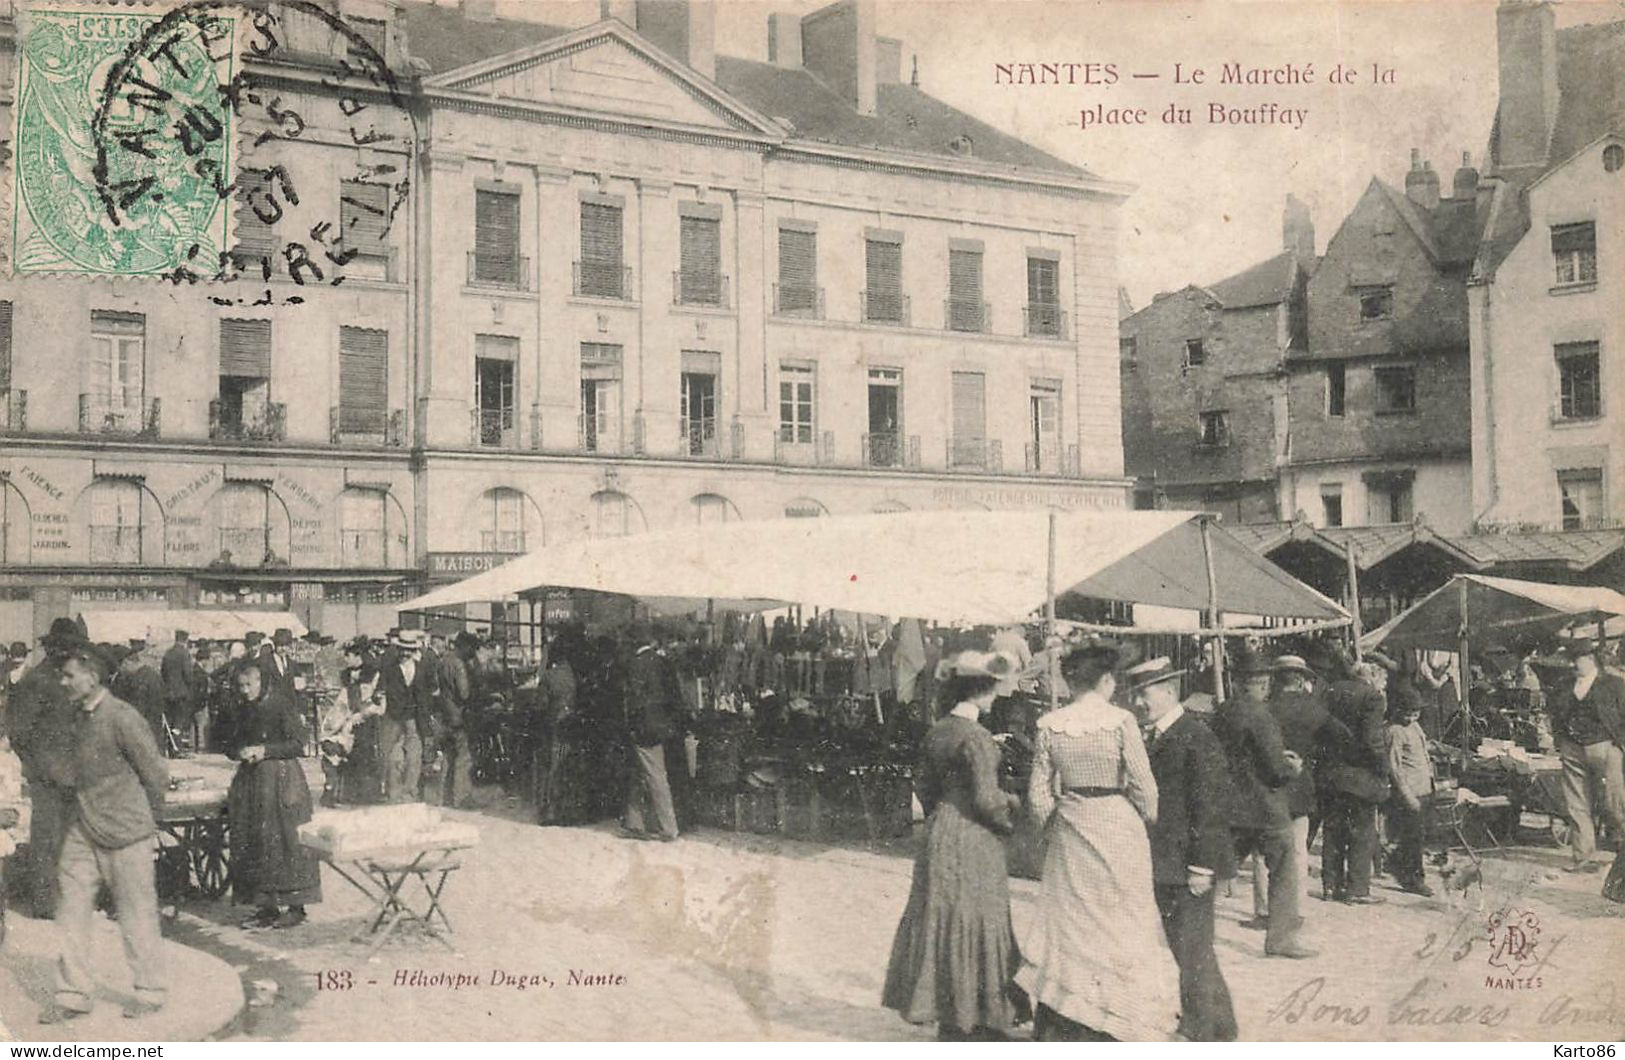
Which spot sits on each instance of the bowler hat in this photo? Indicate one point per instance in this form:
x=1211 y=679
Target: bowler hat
x=282 y=637
x=64 y=634
x=253 y=637
x=1248 y=663
x=18 y=650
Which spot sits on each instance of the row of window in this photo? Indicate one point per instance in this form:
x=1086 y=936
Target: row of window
x=1389 y=499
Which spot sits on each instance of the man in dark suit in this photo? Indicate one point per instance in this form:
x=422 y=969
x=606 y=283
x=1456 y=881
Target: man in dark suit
x=1588 y=721
x=179 y=673
x=40 y=720
x=1352 y=781
x=276 y=669
x=1191 y=847
x=653 y=703
x=409 y=690
x=1260 y=769
x=138 y=684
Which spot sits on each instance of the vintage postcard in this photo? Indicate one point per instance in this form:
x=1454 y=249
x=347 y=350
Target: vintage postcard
x=872 y=520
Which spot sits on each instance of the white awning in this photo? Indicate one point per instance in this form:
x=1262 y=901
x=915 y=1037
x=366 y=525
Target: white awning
x=977 y=567
x=159 y=626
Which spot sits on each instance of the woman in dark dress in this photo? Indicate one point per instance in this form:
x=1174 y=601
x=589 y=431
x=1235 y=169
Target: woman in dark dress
x=954 y=957
x=269 y=799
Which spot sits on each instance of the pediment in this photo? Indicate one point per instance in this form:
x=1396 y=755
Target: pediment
x=605 y=69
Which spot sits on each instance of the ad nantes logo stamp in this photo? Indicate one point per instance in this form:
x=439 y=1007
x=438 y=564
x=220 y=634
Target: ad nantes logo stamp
x=85 y=83
x=1514 y=935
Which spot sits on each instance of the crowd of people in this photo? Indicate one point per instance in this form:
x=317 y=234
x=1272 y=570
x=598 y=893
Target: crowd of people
x=1148 y=801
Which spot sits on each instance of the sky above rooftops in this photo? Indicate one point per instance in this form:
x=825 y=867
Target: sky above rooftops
x=1209 y=196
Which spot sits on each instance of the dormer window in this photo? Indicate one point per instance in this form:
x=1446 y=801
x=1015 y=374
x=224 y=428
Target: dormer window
x=1376 y=303
x=962 y=145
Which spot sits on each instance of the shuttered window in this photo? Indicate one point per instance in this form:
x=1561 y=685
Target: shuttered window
x=496 y=237
x=363 y=380
x=245 y=348
x=965 y=290
x=600 y=250
x=884 y=263
x=1043 y=281
x=969 y=418
x=364 y=217
x=798 y=271
x=255 y=236
x=700 y=280
x=5 y=345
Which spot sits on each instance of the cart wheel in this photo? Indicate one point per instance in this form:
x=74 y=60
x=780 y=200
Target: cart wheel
x=1561 y=830
x=210 y=863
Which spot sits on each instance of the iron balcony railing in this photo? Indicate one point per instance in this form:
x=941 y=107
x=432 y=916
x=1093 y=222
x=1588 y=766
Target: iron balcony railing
x=504 y=542
x=705 y=289
x=487 y=270
x=798 y=300
x=792 y=446
x=959 y=314
x=980 y=454
x=602 y=279
x=248 y=546
x=1052 y=459
x=494 y=428
x=1043 y=320
x=595 y=433
x=890 y=449
x=698 y=437
x=364 y=426
x=271 y=426
x=884 y=307
x=13 y=411
x=115 y=544
x=99 y=414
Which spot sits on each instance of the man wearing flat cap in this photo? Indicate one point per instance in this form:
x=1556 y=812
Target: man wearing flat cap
x=40 y=722
x=1261 y=768
x=1588 y=722
x=1190 y=844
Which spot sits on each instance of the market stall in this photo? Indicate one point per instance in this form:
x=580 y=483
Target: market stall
x=809 y=724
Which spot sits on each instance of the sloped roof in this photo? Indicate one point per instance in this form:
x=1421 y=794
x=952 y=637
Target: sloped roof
x=1267 y=283
x=1574 y=549
x=1373 y=544
x=1449 y=231
x=1591 y=104
x=906 y=119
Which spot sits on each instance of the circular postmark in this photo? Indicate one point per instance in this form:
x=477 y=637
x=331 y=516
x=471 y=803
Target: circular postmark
x=168 y=192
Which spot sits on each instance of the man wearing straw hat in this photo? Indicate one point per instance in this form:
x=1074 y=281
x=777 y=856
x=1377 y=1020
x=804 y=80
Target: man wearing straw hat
x=1190 y=844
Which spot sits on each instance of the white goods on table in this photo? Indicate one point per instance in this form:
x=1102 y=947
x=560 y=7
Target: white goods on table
x=366 y=831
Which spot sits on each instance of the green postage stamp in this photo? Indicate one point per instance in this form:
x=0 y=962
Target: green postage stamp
x=123 y=139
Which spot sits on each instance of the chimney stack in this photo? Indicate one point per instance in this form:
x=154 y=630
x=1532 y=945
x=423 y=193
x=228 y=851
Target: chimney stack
x=1298 y=230
x=686 y=30
x=479 y=10
x=1464 y=185
x=1422 y=183
x=625 y=10
x=1526 y=46
x=838 y=47
x=784 y=40
x=888 y=61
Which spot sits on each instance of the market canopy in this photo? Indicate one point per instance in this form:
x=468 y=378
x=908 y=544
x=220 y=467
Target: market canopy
x=1497 y=609
x=977 y=567
x=158 y=627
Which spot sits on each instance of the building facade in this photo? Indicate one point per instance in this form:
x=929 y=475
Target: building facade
x=1378 y=410
x=1547 y=286
x=1204 y=412
x=595 y=280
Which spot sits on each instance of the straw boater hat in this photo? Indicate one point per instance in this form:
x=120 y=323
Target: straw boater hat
x=1151 y=672
x=409 y=638
x=1294 y=664
x=992 y=664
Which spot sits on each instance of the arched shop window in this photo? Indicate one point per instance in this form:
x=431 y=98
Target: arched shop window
x=509 y=523
x=614 y=514
x=804 y=508
x=889 y=507
x=713 y=508
x=115 y=522
x=251 y=527
x=363 y=528
x=15 y=525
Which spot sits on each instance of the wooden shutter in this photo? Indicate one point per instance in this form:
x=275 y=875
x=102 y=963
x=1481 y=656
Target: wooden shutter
x=1571 y=238
x=1043 y=282
x=245 y=348
x=363 y=380
x=364 y=216
x=496 y=235
x=884 y=261
x=965 y=276
x=970 y=407
x=5 y=345
x=701 y=253
x=798 y=270
x=601 y=234
x=254 y=237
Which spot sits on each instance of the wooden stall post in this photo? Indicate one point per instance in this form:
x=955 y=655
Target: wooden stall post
x=1352 y=584
x=1050 y=652
x=1211 y=619
x=1464 y=670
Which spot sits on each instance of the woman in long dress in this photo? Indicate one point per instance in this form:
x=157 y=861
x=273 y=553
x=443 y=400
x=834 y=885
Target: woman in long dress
x=269 y=799
x=1096 y=962
x=954 y=954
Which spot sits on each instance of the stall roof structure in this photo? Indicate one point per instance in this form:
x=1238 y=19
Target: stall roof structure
x=978 y=567
x=1493 y=610
x=116 y=627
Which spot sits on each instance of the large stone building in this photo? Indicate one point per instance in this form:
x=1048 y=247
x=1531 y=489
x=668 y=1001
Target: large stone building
x=1204 y=409
x=596 y=280
x=1548 y=285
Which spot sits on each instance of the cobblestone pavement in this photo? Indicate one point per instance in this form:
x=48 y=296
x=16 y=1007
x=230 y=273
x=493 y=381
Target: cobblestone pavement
x=574 y=933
